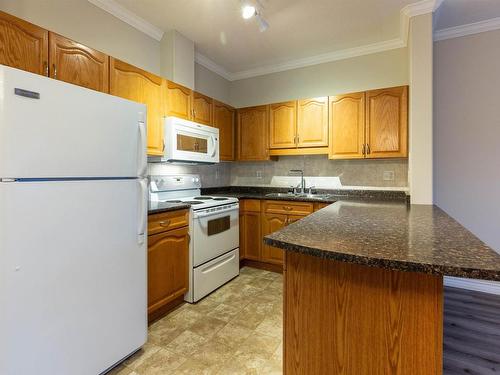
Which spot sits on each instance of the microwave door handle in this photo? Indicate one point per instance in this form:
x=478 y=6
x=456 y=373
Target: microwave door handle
x=213 y=146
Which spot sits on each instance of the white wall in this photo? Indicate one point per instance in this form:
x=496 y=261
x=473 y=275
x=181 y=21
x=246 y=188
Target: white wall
x=384 y=69
x=467 y=132
x=85 y=23
x=211 y=84
x=420 y=109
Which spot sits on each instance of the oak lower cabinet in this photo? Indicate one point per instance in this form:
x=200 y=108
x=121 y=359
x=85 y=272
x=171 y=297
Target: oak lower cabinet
x=224 y=117
x=179 y=101
x=250 y=229
x=23 y=45
x=253 y=133
x=78 y=64
x=168 y=267
x=271 y=223
x=135 y=84
x=371 y=124
x=202 y=109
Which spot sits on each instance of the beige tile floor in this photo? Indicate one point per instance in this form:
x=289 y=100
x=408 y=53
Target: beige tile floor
x=235 y=330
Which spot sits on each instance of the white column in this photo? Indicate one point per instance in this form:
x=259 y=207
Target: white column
x=420 y=173
x=177 y=58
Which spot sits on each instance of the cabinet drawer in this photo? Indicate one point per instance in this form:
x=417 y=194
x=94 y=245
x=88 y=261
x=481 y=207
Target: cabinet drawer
x=250 y=205
x=164 y=221
x=288 y=207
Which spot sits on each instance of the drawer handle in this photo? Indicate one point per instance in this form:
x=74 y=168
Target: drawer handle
x=164 y=223
x=287 y=208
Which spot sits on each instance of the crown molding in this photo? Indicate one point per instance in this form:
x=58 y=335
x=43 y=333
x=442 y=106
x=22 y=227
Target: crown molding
x=491 y=287
x=122 y=13
x=468 y=29
x=213 y=66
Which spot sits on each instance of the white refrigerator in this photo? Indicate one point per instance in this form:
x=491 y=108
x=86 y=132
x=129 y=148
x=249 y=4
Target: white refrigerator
x=73 y=216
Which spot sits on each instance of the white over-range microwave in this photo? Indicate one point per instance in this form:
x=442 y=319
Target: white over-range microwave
x=189 y=142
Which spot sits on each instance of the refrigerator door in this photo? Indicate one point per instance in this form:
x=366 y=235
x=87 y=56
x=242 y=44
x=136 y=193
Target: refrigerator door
x=51 y=129
x=72 y=275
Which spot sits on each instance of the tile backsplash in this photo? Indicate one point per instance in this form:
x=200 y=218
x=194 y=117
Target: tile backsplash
x=375 y=173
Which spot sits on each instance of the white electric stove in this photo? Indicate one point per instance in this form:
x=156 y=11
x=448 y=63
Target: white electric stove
x=214 y=231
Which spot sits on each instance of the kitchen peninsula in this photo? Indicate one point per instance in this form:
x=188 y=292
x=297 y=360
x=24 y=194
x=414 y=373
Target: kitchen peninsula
x=364 y=286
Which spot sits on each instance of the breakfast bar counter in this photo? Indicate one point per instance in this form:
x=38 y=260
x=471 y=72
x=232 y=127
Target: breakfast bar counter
x=364 y=286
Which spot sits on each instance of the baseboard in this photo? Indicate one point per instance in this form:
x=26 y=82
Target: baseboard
x=484 y=286
x=261 y=265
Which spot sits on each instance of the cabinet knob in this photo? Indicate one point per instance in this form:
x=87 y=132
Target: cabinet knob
x=368 y=151
x=164 y=223
x=46 y=68
x=54 y=68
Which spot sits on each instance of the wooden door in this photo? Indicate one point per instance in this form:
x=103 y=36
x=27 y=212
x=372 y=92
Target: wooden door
x=283 y=125
x=253 y=136
x=224 y=121
x=250 y=235
x=23 y=45
x=202 y=109
x=78 y=64
x=271 y=223
x=312 y=122
x=347 y=126
x=168 y=256
x=138 y=85
x=179 y=101
x=387 y=123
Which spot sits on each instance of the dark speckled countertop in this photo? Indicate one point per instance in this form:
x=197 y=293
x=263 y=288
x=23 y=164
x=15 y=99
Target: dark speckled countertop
x=158 y=207
x=393 y=235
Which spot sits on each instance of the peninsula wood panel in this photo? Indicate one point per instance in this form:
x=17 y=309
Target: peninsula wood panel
x=387 y=123
x=224 y=117
x=347 y=126
x=135 y=84
x=342 y=318
x=253 y=133
x=168 y=269
x=78 y=64
x=202 y=109
x=312 y=122
x=283 y=125
x=179 y=101
x=23 y=45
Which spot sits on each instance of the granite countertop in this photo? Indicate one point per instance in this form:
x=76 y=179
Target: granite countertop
x=392 y=235
x=158 y=207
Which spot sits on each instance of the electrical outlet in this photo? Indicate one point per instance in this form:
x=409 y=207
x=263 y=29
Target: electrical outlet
x=259 y=175
x=388 y=176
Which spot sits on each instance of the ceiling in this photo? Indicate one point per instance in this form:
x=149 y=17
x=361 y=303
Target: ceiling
x=453 y=13
x=298 y=28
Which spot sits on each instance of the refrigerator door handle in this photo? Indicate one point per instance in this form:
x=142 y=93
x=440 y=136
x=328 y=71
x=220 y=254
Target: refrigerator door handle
x=142 y=214
x=142 y=157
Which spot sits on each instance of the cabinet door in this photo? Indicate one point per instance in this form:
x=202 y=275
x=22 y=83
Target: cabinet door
x=271 y=223
x=251 y=235
x=75 y=63
x=202 y=109
x=179 y=101
x=168 y=255
x=23 y=45
x=224 y=121
x=312 y=122
x=347 y=126
x=253 y=138
x=387 y=123
x=138 y=85
x=283 y=125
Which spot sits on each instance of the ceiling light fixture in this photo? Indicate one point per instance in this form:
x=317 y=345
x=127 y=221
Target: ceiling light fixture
x=248 y=11
x=251 y=9
x=263 y=25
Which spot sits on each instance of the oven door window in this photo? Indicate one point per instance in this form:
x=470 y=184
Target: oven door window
x=192 y=143
x=218 y=225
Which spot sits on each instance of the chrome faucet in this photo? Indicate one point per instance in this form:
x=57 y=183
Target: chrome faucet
x=302 y=181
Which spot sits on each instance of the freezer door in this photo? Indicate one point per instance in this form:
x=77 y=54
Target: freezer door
x=72 y=275
x=51 y=129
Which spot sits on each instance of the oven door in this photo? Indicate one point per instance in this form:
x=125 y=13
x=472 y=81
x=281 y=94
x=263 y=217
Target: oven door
x=214 y=233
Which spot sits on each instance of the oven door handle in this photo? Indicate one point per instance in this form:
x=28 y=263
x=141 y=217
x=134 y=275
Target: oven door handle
x=215 y=213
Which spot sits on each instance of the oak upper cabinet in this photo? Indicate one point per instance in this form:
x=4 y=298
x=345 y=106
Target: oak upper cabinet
x=23 y=45
x=387 y=123
x=252 y=133
x=224 y=117
x=312 y=122
x=78 y=64
x=347 y=126
x=202 y=109
x=283 y=125
x=138 y=85
x=168 y=268
x=179 y=101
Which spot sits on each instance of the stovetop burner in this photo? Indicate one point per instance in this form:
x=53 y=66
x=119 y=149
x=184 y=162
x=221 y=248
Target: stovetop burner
x=204 y=198
x=220 y=199
x=193 y=202
x=174 y=201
